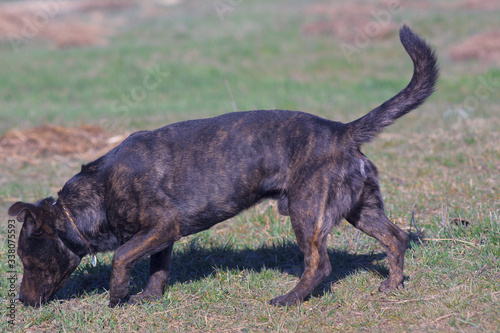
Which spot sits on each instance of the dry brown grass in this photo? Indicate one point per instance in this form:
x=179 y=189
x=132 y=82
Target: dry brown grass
x=48 y=140
x=484 y=46
x=339 y=20
x=480 y=4
x=64 y=24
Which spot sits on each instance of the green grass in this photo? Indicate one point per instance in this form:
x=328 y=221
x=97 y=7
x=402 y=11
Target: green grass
x=437 y=162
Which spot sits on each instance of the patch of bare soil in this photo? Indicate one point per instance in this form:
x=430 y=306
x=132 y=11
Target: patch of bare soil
x=350 y=18
x=63 y=23
x=484 y=47
x=481 y=4
x=50 y=140
x=343 y=20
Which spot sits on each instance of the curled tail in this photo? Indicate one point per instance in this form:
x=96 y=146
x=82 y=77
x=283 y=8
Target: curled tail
x=421 y=86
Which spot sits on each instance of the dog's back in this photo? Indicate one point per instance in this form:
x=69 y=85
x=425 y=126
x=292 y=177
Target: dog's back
x=209 y=170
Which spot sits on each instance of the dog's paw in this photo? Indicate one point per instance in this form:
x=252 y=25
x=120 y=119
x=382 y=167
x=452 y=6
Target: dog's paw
x=285 y=300
x=143 y=298
x=389 y=285
x=113 y=303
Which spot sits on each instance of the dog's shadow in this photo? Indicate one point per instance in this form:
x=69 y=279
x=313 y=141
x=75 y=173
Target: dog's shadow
x=195 y=262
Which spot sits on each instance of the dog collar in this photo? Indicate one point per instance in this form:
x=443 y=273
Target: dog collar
x=78 y=230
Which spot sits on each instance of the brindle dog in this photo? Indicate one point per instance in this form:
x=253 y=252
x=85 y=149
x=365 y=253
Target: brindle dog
x=158 y=186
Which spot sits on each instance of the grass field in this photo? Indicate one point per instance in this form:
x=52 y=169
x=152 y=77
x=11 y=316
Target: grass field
x=439 y=166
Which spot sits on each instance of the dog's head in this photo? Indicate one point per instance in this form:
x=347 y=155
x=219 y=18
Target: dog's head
x=47 y=262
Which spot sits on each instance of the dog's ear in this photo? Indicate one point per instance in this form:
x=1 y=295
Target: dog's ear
x=20 y=210
x=27 y=213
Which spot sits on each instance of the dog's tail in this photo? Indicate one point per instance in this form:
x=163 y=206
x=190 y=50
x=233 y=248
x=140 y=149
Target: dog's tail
x=421 y=86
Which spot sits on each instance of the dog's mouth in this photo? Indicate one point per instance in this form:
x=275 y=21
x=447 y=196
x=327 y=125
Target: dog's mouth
x=38 y=299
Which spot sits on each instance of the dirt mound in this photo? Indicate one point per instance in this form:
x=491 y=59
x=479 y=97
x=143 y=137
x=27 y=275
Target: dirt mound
x=349 y=19
x=343 y=20
x=484 y=46
x=49 y=140
x=481 y=4
x=65 y=24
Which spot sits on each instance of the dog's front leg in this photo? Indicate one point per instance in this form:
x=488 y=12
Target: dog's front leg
x=158 y=276
x=138 y=247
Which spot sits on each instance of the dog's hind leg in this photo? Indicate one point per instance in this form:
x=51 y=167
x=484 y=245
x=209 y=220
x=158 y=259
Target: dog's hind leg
x=369 y=217
x=311 y=228
x=159 y=267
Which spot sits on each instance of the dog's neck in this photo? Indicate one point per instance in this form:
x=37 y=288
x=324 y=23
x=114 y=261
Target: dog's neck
x=83 y=217
x=73 y=237
x=87 y=249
